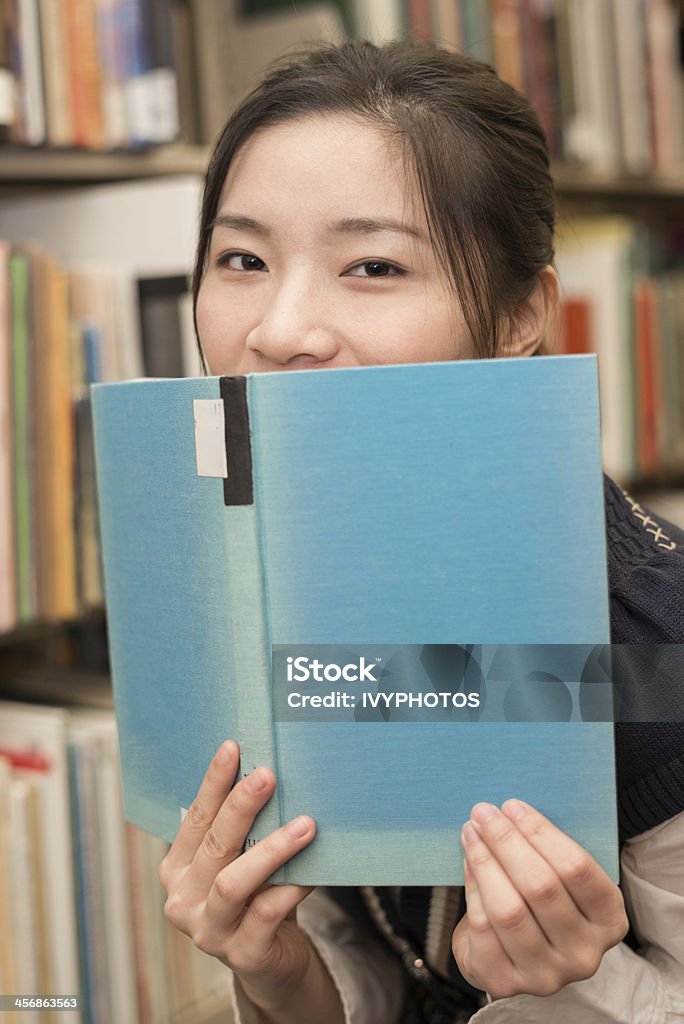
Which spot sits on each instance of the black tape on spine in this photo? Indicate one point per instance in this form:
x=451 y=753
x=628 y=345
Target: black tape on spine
x=237 y=487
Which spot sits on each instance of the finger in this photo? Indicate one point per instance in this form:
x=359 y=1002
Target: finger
x=215 y=786
x=591 y=889
x=235 y=884
x=477 y=945
x=224 y=839
x=505 y=909
x=265 y=915
x=553 y=908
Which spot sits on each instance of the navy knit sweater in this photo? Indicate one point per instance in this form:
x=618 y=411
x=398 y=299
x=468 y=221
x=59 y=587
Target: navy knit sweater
x=646 y=586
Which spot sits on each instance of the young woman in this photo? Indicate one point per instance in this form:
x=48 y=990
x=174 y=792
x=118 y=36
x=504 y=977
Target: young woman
x=383 y=205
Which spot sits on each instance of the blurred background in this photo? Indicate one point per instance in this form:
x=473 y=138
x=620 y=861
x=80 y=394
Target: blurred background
x=108 y=110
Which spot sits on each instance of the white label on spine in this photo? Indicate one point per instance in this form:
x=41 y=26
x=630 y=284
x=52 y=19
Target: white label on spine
x=210 y=437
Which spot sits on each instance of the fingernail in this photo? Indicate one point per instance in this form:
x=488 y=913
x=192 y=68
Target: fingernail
x=483 y=813
x=255 y=781
x=299 y=827
x=514 y=808
x=224 y=754
x=468 y=834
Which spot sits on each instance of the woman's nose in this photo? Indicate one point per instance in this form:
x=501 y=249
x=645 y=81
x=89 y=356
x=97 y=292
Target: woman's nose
x=295 y=325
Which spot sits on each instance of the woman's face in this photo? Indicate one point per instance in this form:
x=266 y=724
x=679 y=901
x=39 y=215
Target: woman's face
x=320 y=258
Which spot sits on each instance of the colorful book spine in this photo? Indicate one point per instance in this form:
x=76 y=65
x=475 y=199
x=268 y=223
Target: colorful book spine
x=22 y=430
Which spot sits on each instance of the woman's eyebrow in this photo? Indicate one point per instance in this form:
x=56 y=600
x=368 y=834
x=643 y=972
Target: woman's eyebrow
x=345 y=226
x=369 y=225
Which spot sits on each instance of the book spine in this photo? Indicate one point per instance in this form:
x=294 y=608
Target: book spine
x=163 y=83
x=116 y=881
x=663 y=71
x=507 y=42
x=671 y=378
x=134 y=15
x=40 y=373
x=446 y=21
x=23 y=890
x=247 y=577
x=56 y=73
x=90 y=879
x=86 y=84
x=32 y=99
x=137 y=881
x=8 y=85
x=420 y=20
x=19 y=274
x=8 y=968
x=8 y=611
x=109 y=42
x=61 y=448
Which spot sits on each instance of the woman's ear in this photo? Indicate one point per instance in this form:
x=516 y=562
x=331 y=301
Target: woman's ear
x=536 y=321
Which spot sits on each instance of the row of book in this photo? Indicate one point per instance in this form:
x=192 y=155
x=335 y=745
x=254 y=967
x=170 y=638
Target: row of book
x=605 y=76
x=623 y=298
x=67 y=330
x=98 y=74
x=81 y=907
x=96 y=311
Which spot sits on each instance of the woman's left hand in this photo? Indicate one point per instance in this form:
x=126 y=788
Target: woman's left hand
x=540 y=911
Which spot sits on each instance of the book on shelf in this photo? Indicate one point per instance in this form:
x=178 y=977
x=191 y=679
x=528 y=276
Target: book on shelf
x=82 y=908
x=83 y=60
x=33 y=742
x=618 y=301
x=231 y=51
x=79 y=306
x=8 y=111
x=447 y=24
x=92 y=74
x=414 y=506
x=25 y=50
x=7 y=496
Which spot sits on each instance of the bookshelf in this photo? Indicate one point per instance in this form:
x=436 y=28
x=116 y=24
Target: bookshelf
x=20 y=167
x=61 y=662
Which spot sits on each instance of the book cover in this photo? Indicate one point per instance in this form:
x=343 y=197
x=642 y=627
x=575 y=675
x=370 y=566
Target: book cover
x=427 y=508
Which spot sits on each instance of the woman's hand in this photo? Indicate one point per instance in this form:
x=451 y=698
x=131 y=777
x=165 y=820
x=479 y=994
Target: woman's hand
x=217 y=894
x=540 y=911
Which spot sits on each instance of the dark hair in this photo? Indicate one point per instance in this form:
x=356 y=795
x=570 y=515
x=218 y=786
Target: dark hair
x=477 y=147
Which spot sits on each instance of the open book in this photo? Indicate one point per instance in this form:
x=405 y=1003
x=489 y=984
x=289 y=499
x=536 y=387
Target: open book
x=430 y=512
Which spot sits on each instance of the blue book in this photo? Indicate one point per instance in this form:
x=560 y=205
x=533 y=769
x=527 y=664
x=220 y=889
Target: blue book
x=413 y=531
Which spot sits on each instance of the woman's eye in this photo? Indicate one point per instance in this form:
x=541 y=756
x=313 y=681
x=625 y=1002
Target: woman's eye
x=240 y=261
x=375 y=268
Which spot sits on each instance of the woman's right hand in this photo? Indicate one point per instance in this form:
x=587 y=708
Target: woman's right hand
x=218 y=895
